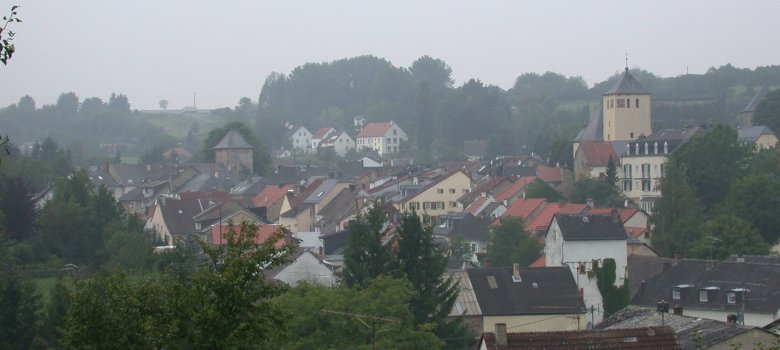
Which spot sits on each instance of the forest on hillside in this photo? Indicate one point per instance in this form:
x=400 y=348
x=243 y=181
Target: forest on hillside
x=541 y=113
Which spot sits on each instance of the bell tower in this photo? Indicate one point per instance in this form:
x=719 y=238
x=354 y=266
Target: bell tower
x=626 y=110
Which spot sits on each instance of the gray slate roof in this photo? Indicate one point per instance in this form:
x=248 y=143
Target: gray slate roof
x=555 y=292
x=590 y=227
x=233 y=140
x=752 y=133
x=593 y=131
x=757 y=99
x=686 y=328
x=627 y=85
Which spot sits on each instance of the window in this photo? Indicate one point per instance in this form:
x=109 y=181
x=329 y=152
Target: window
x=646 y=186
x=621 y=103
x=426 y=205
x=632 y=134
x=666 y=147
x=647 y=234
x=628 y=103
x=395 y=140
x=675 y=293
x=452 y=190
x=637 y=103
x=655 y=148
x=453 y=204
x=636 y=149
x=731 y=297
x=627 y=171
x=388 y=140
x=395 y=132
x=646 y=149
x=663 y=170
x=440 y=205
x=703 y=295
x=626 y=185
x=439 y=190
x=646 y=170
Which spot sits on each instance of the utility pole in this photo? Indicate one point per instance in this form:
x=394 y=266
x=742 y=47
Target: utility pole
x=375 y=320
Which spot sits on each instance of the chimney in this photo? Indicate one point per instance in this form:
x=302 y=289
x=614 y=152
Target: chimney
x=615 y=216
x=590 y=202
x=678 y=310
x=678 y=257
x=516 y=273
x=501 y=334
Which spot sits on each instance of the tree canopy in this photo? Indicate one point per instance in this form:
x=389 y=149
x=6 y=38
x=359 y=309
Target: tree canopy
x=509 y=244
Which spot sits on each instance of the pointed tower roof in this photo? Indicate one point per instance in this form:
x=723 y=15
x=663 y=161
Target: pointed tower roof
x=757 y=99
x=627 y=85
x=233 y=140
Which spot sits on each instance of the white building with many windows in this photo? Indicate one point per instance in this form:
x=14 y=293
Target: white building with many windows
x=384 y=138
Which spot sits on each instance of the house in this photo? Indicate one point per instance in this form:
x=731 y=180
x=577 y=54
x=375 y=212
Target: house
x=592 y=158
x=559 y=178
x=746 y=114
x=466 y=306
x=472 y=230
x=359 y=122
x=691 y=332
x=486 y=187
x=175 y=217
x=656 y=338
x=274 y=199
x=141 y=199
x=340 y=143
x=384 y=138
x=321 y=135
x=301 y=139
x=717 y=290
x=642 y=164
x=219 y=234
x=626 y=110
x=486 y=207
x=576 y=241
x=438 y=197
x=760 y=137
x=516 y=191
x=527 y=299
x=539 y=223
x=305 y=266
x=221 y=213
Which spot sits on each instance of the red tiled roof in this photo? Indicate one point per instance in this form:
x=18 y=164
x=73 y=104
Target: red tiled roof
x=271 y=194
x=263 y=233
x=543 y=220
x=375 y=129
x=635 y=232
x=625 y=213
x=547 y=173
x=321 y=133
x=656 y=338
x=523 y=208
x=598 y=152
x=541 y=262
x=472 y=209
x=518 y=186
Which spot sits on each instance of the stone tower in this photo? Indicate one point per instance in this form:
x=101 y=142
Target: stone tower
x=626 y=110
x=235 y=154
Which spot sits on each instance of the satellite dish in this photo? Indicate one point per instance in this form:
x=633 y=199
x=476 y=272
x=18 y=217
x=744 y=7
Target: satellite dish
x=625 y=203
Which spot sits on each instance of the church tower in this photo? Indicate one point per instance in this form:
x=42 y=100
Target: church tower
x=235 y=154
x=626 y=110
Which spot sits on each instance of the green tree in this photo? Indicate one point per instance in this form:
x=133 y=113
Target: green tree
x=768 y=112
x=602 y=193
x=756 y=199
x=615 y=298
x=425 y=121
x=678 y=215
x=509 y=244
x=365 y=257
x=68 y=104
x=540 y=189
x=729 y=234
x=611 y=177
x=20 y=307
x=16 y=202
x=712 y=160
x=163 y=104
x=261 y=157
x=26 y=105
x=434 y=71
x=424 y=263
x=387 y=321
x=119 y=103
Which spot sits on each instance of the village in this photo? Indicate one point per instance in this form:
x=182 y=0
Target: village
x=314 y=203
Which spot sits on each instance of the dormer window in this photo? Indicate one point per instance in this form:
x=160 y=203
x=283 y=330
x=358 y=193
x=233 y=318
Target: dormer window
x=628 y=149
x=707 y=294
x=636 y=149
x=655 y=148
x=703 y=295
x=731 y=297
x=666 y=147
x=646 y=149
x=678 y=292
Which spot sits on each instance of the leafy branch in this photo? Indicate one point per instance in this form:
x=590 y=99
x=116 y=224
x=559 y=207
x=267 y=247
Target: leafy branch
x=7 y=48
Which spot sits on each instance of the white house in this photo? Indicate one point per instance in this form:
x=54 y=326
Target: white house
x=301 y=139
x=340 y=142
x=305 y=266
x=577 y=241
x=384 y=138
x=321 y=135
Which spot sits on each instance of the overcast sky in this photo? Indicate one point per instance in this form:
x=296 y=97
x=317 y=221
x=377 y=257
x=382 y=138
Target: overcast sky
x=158 y=49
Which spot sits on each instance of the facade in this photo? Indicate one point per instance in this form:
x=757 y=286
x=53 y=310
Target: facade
x=642 y=164
x=575 y=241
x=626 y=110
x=301 y=139
x=384 y=138
x=592 y=158
x=439 y=197
x=527 y=299
x=305 y=267
x=760 y=137
x=341 y=143
x=235 y=154
x=320 y=136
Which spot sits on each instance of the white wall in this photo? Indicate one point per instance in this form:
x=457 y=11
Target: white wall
x=306 y=268
x=751 y=319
